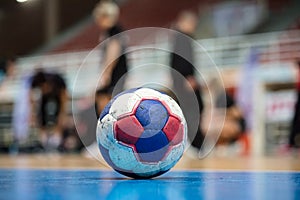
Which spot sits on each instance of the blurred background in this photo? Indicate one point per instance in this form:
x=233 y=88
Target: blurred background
x=254 y=43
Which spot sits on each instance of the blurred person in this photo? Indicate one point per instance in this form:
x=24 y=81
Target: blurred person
x=7 y=67
x=87 y=125
x=71 y=142
x=234 y=124
x=226 y=110
x=87 y=117
x=103 y=96
x=182 y=60
x=48 y=107
x=106 y=15
x=294 y=137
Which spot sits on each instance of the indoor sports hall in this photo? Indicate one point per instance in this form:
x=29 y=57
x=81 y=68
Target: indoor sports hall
x=91 y=91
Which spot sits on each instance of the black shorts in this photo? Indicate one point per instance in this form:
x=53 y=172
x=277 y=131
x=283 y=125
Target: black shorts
x=117 y=75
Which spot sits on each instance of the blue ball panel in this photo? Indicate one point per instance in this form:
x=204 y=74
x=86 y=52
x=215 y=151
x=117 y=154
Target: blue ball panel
x=152 y=114
x=105 y=155
x=152 y=146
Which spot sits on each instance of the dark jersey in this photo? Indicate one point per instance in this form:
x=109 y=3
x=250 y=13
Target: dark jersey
x=182 y=56
x=50 y=102
x=121 y=65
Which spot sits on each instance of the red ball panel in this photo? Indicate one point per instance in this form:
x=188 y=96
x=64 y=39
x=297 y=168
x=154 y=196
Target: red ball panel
x=174 y=130
x=128 y=130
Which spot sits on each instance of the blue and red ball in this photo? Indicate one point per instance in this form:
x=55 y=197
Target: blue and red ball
x=141 y=133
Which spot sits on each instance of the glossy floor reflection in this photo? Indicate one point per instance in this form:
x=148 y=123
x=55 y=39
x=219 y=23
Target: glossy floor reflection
x=74 y=184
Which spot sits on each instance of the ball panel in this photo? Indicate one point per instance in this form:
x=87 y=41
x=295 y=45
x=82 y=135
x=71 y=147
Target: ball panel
x=173 y=108
x=143 y=170
x=174 y=154
x=105 y=131
x=151 y=114
x=152 y=146
x=146 y=169
x=174 y=130
x=147 y=134
x=123 y=157
x=179 y=136
x=128 y=130
x=105 y=155
x=124 y=105
x=153 y=157
x=107 y=107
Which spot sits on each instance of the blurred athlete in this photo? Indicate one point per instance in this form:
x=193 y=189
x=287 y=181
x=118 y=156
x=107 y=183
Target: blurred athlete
x=182 y=60
x=234 y=125
x=106 y=14
x=114 y=62
x=294 y=138
x=49 y=100
x=225 y=123
x=7 y=67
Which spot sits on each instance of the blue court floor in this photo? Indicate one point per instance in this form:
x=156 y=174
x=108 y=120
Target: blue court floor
x=29 y=184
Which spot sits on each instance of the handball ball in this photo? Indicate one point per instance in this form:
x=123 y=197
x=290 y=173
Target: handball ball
x=141 y=133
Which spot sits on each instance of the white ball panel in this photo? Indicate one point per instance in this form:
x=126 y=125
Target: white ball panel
x=123 y=104
x=123 y=157
x=172 y=158
x=105 y=134
x=146 y=169
x=174 y=107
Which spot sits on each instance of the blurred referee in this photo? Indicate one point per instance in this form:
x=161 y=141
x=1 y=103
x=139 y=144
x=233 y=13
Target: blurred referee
x=182 y=60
